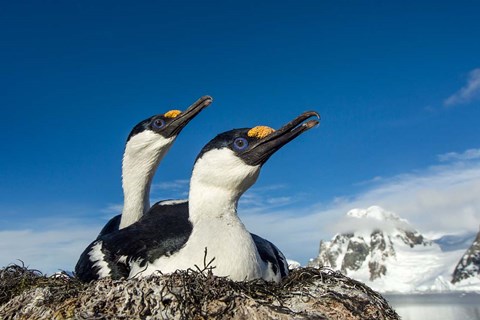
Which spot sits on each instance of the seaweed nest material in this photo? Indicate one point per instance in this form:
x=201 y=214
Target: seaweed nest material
x=307 y=293
x=15 y=279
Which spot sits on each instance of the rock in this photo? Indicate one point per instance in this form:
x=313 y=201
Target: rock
x=469 y=264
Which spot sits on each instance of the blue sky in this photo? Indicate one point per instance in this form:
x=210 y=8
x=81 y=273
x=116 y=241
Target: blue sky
x=397 y=85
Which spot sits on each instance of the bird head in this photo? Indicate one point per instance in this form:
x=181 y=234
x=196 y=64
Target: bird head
x=233 y=159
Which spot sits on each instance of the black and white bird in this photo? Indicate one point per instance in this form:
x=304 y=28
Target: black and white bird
x=177 y=237
x=147 y=144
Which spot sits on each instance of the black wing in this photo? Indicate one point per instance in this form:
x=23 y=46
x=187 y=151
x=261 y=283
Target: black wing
x=270 y=253
x=161 y=232
x=88 y=269
x=111 y=226
x=114 y=223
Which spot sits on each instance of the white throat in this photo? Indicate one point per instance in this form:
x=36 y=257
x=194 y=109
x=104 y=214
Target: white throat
x=142 y=155
x=218 y=180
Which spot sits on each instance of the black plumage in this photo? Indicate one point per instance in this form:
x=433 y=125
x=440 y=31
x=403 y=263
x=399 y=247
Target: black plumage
x=111 y=226
x=161 y=232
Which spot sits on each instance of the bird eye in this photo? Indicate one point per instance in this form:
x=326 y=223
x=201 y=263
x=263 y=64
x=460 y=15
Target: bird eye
x=158 y=123
x=240 y=144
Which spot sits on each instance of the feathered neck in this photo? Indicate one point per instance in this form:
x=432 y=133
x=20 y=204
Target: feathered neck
x=141 y=158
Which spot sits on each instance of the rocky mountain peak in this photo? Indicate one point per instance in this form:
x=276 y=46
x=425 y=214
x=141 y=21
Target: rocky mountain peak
x=469 y=264
x=377 y=233
x=379 y=248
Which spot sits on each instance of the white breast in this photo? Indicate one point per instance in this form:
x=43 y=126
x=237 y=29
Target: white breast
x=228 y=243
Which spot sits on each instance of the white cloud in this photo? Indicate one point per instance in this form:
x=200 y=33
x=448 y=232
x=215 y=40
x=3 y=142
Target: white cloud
x=439 y=199
x=470 y=154
x=180 y=184
x=468 y=92
x=113 y=209
x=57 y=247
x=175 y=189
x=263 y=199
x=279 y=201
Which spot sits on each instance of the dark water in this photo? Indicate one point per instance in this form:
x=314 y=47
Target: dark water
x=438 y=306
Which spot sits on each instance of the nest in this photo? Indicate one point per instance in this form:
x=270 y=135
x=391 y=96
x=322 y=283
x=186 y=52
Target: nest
x=307 y=293
x=15 y=279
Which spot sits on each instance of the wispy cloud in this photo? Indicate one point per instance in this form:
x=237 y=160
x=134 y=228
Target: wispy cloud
x=176 y=185
x=467 y=93
x=470 y=154
x=55 y=247
x=113 y=208
x=176 y=189
x=265 y=198
x=438 y=199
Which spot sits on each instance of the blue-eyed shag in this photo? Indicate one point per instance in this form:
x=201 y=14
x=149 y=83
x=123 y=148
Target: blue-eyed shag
x=175 y=239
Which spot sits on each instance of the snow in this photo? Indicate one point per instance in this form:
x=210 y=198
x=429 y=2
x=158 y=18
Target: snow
x=411 y=267
x=374 y=212
x=470 y=284
x=417 y=269
x=292 y=264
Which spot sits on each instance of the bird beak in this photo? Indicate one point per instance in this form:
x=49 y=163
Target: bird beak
x=261 y=151
x=180 y=121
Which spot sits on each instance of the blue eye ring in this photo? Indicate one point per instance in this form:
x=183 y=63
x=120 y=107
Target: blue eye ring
x=240 y=144
x=158 y=123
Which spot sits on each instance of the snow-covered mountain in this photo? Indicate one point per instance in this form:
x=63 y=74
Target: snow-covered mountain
x=468 y=268
x=388 y=254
